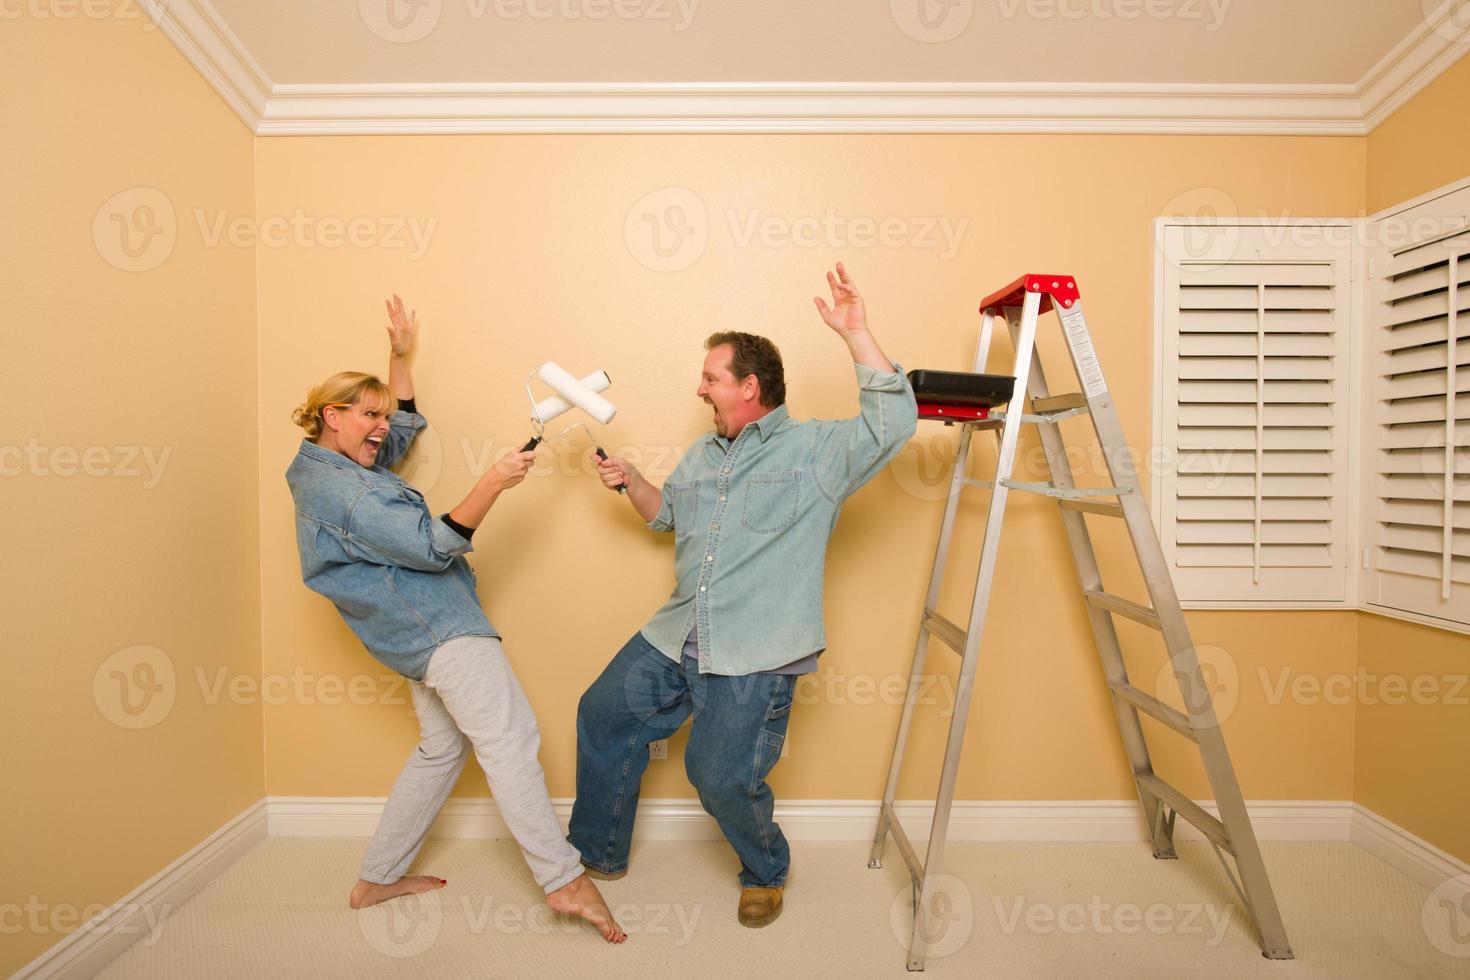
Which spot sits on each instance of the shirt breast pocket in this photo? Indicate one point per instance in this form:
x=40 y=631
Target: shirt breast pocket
x=682 y=499
x=772 y=500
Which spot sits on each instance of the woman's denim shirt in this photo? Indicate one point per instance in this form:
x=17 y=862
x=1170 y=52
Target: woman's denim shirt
x=396 y=573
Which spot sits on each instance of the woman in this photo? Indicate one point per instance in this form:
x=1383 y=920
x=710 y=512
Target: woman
x=398 y=576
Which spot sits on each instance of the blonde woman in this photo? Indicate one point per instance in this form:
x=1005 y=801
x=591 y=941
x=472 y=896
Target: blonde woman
x=398 y=576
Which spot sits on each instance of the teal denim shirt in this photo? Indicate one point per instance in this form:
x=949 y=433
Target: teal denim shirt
x=751 y=519
x=368 y=542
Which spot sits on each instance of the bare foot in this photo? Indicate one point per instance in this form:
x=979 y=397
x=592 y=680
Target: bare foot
x=366 y=893
x=581 y=898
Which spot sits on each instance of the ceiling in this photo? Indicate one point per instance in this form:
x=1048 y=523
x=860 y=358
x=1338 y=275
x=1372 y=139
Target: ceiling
x=1277 y=66
x=1186 y=41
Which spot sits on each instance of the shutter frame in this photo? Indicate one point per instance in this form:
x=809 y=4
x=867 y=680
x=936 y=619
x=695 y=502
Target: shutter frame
x=1254 y=330
x=1416 y=521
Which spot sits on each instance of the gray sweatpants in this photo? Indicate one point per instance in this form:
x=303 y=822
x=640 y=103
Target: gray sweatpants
x=470 y=694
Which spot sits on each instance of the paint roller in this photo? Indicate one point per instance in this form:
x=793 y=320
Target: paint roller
x=571 y=393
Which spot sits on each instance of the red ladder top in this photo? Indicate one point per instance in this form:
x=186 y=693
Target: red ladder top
x=1062 y=289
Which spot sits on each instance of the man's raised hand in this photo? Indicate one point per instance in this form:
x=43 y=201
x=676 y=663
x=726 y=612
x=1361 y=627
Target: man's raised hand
x=846 y=315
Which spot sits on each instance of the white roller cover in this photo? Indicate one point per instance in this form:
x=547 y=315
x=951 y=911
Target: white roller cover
x=577 y=393
x=549 y=408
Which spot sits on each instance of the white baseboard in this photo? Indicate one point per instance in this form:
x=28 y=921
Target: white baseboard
x=833 y=820
x=140 y=913
x=146 y=908
x=1417 y=858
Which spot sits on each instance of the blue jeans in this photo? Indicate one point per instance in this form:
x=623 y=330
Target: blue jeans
x=739 y=727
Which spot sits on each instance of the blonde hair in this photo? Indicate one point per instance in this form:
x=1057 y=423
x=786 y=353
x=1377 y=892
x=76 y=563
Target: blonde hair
x=341 y=390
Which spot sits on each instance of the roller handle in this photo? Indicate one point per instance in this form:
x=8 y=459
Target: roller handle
x=535 y=441
x=621 y=487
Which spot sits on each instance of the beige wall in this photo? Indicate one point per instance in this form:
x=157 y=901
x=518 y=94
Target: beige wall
x=1412 y=759
x=104 y=371
x=529 y=260
x=1412 y=754
x=1424 y=145
x=531 y=248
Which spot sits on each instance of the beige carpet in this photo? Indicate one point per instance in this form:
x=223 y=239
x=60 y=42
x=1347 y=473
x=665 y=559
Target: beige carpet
x=1010 y=910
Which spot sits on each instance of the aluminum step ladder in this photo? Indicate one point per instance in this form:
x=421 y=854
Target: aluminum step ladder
x=1030 y=297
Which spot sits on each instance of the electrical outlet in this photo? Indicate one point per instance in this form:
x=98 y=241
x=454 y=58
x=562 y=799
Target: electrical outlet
x=659 y=749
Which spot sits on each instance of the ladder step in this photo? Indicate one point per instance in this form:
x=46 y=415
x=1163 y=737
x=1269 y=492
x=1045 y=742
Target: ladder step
x=1124 y=607
x=910 y=857
x=1059 y=403
x=1051 y=489
x=952 y=635
x=1188 y=809
x=1093 y=507
x=1155 y=708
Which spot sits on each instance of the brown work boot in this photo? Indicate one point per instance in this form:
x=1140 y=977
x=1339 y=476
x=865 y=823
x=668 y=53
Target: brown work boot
x=760 y=906
x=603 y=875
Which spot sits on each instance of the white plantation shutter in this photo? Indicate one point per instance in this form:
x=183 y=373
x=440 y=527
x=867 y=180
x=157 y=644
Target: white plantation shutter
x=1253 y=487
x=1418 y=531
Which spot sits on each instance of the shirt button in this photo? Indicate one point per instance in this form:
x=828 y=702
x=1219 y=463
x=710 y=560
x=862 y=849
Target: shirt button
x=722 y=500
x=701 y=588
x=709 y=557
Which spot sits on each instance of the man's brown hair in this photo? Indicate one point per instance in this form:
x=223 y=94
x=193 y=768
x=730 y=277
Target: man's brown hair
x=751 y=354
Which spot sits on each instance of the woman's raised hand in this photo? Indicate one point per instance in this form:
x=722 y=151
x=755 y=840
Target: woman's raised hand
x=401 y=326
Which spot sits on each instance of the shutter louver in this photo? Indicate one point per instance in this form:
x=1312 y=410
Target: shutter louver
x=1421 y=395
x=1255 y=375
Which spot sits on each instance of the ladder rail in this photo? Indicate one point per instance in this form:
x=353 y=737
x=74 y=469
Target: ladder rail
x=1104 y=631
x=931 y=601
x=1164 y=599
x=989 y=551
x=921 y=646
x=1231 y=832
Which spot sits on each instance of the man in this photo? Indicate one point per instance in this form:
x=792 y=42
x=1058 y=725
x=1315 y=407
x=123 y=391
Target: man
x=752 y=506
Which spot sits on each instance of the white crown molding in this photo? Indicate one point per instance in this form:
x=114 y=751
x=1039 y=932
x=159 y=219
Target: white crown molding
x=145 y=910
x=1421 y=57
x=405 y=109
x=810 y=108
x=207 y=43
